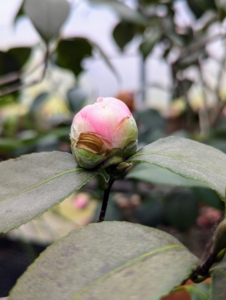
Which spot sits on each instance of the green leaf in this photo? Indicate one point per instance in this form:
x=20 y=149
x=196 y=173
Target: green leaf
x=20 y=146
x=187 y=158
x=218 y=288
x=109 y=260
x=123 y=33
x=13 y=60
x=151 y=210
x=76 y=98
x=181 y=209
x=150 y=42
x=21 y=54
x=157 y=175
x=221 y=6
x=38 y=102
x=47 y=16
x=32 y=184
x=71 y=52
x=199 y=7
x=196 y=291
x=208 y=197
x=124 y=11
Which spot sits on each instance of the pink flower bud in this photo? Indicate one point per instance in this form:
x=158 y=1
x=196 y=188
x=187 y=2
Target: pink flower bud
x=81 y=200
x=103 y=130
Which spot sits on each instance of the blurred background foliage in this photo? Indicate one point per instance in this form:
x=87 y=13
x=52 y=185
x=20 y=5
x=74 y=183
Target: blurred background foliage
x=42 y=88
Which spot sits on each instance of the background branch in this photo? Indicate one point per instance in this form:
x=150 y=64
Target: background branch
x=12 y=77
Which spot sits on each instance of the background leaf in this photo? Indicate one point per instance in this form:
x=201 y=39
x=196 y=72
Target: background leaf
x=32 y=184
x=110 y=260
x=157 y=175
x=71 y=52
x=77 y=98
x=208 y=197
x=47 y=16
x=124 y=11
x=187 y=158
x=218 y=288
x=184 y=216
x=196 y=291
x=13 y=60
x=221 y=6
x=148 y=44
x=123 y=33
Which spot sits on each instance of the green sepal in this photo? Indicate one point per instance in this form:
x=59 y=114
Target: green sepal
x=123 y=165
x=220 y=255
x=200 y=278
x=126 y=132
x=104 y=177
x=87 y=159
x=130 y=149
x=115 y=160
x=219 y=238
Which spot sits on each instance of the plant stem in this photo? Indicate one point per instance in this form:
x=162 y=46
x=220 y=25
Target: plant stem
x=105 y=200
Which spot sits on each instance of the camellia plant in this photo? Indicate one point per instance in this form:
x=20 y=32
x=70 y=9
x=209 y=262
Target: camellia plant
x=109 y=260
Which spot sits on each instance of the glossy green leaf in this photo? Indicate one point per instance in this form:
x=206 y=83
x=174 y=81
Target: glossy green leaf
x=32 y=184
x=71 y=52
x=187 y=158
x=123 y=33
x=124 y=11
x=196 y=291
x=109 y=260
x=218 y=288
x=157 y=175
x=47 y=16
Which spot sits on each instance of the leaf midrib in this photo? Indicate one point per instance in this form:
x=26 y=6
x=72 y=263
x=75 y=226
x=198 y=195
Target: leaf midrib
x=41 y=183
x=175 y=156
x=127 y=264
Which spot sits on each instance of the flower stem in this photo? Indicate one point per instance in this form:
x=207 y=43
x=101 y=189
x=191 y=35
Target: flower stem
x=105 y=200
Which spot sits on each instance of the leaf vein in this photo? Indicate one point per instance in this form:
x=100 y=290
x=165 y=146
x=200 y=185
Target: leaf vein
x=127 y=264
x=41 y=183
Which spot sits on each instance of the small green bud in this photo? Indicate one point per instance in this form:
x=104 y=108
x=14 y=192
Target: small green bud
x=219 y=238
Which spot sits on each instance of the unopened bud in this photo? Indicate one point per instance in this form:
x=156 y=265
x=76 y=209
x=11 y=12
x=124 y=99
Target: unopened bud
x=101 y=131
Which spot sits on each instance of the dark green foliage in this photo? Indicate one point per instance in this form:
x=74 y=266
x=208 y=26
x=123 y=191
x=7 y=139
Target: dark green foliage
x=71 y=52
x=181 y=209
x=13 y=60
x=199 y=7
x=123 y=33
x=76 y=98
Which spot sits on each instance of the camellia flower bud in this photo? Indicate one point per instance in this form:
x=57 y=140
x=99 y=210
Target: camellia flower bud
x=102 y=131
